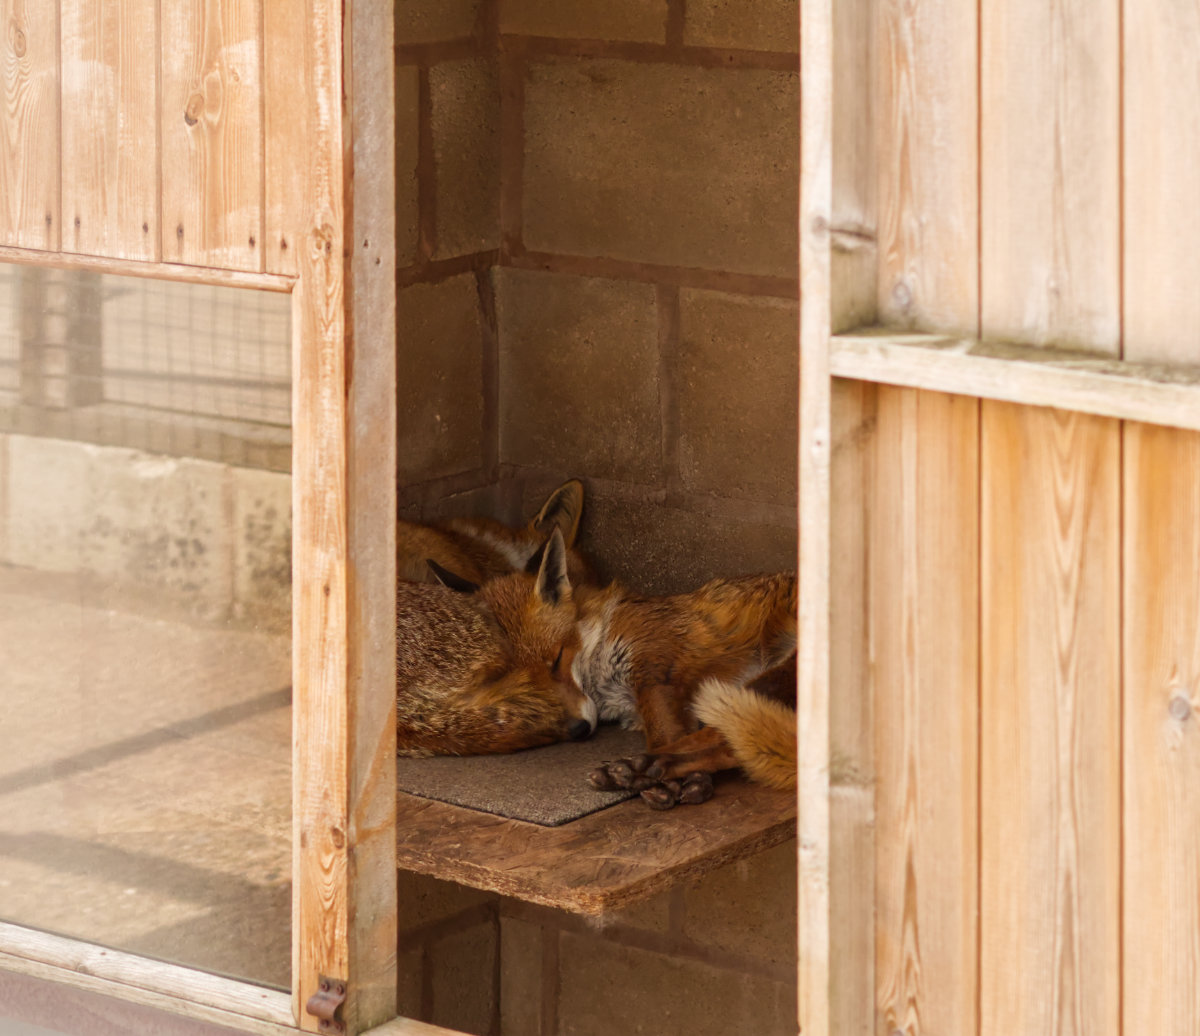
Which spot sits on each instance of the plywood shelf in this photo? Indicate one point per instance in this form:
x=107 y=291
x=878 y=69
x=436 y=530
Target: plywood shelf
x=1087 y=383
x=602 y=862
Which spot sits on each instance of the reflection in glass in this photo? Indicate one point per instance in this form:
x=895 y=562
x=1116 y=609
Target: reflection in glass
x=145 y=602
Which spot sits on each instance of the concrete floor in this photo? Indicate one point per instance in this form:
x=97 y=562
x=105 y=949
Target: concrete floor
x=145 y=779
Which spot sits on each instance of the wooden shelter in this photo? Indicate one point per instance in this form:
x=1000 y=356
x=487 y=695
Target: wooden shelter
x=999 y=512
x=999 y=823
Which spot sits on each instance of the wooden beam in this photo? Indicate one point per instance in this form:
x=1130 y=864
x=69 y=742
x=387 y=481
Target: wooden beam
x=816 y=207
x=599 y=863
x=1089 y=384
x=344 y=894
x=370 y=198
x=137 y=268
x=150 y=983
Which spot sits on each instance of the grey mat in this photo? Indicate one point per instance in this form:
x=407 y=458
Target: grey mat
x=545 y=786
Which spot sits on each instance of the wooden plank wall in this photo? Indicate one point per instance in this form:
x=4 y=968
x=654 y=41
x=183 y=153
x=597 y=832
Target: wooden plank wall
x=145 y=131
x=1016 y=590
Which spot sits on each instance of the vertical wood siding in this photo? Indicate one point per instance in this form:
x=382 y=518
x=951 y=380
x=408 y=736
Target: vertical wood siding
x=924 y=565
x=1050 y=793
x=110 y=128
x=1161 y=168
x=926 y=118
x=134 y=129
x=1049 y=115
x=1037 y=177
x=212 y=142
x=29 y=132
x=1161 y=731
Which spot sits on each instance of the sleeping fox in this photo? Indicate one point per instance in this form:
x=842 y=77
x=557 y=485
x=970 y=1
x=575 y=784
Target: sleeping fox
x=488 y=670
x=723 y=655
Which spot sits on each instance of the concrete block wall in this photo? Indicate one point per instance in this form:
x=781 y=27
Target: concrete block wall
x=716 y=956
x=599 y=273
x=646 y=295
x=614 y=298
x=208 y=541
x=448 y=227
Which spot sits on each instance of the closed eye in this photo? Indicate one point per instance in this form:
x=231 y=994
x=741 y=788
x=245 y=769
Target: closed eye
x=557 y=662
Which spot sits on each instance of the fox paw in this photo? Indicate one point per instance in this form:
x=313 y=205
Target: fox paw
x=690 y=791
x=644 y=774
x=622 y=775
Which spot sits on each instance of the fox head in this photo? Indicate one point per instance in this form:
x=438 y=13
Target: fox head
x=518 y=692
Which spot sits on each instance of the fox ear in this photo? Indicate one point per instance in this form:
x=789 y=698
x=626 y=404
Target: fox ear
x=563 y=509
x=449 y=579
x=553 y=586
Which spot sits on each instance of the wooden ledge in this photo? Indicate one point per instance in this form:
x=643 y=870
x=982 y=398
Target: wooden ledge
x=1155 y=393
x=601 y=862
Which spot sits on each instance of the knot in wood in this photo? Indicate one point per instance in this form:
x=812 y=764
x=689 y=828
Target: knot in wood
x=194 y=109
x=19 y=45
x=322 y=237
x=1180 y=707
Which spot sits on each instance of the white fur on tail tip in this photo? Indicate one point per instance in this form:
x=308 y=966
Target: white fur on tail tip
x=761 y=732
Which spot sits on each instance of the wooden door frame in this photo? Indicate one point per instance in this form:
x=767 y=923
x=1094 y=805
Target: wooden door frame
x=344 y=516
x=344 y=463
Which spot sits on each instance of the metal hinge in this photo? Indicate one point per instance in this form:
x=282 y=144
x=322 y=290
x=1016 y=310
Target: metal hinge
x=326 y=1002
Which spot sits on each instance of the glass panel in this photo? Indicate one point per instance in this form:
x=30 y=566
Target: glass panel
x=145 y=612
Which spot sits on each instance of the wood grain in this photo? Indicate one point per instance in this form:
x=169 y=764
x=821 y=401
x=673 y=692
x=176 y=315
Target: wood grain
x=854 y=256
x=286 y=133
x=370 y=211
x=110 y=127
x=1153 y=392
x=212 y=133
x=926 y=121
x=602 y=862
x=138 y=978
x=1050 y=785
x=46 y=995
x=1161 y=737
x=1161 y=167
x=851 y=715
x=924 y=601
x=321 y=709
x=812 y=696
x=1049 y=172
x=29 y=130
x=161 y=271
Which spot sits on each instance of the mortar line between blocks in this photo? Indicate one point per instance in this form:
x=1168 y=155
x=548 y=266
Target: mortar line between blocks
x=426 y=168
x=667 y=299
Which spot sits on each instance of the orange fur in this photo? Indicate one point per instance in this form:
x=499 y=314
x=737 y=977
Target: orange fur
x=488 y=672
x=760 y=732
x=644 y=660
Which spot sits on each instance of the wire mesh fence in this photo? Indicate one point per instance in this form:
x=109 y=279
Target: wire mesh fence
x=183 y=369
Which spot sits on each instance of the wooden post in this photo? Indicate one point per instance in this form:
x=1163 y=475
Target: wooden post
x=344 y=913
x=816 y=178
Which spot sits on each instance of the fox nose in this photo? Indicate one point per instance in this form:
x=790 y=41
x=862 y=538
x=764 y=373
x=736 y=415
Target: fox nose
x=579 y=730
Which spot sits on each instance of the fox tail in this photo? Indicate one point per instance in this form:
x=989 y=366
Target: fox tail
x=760 y=732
